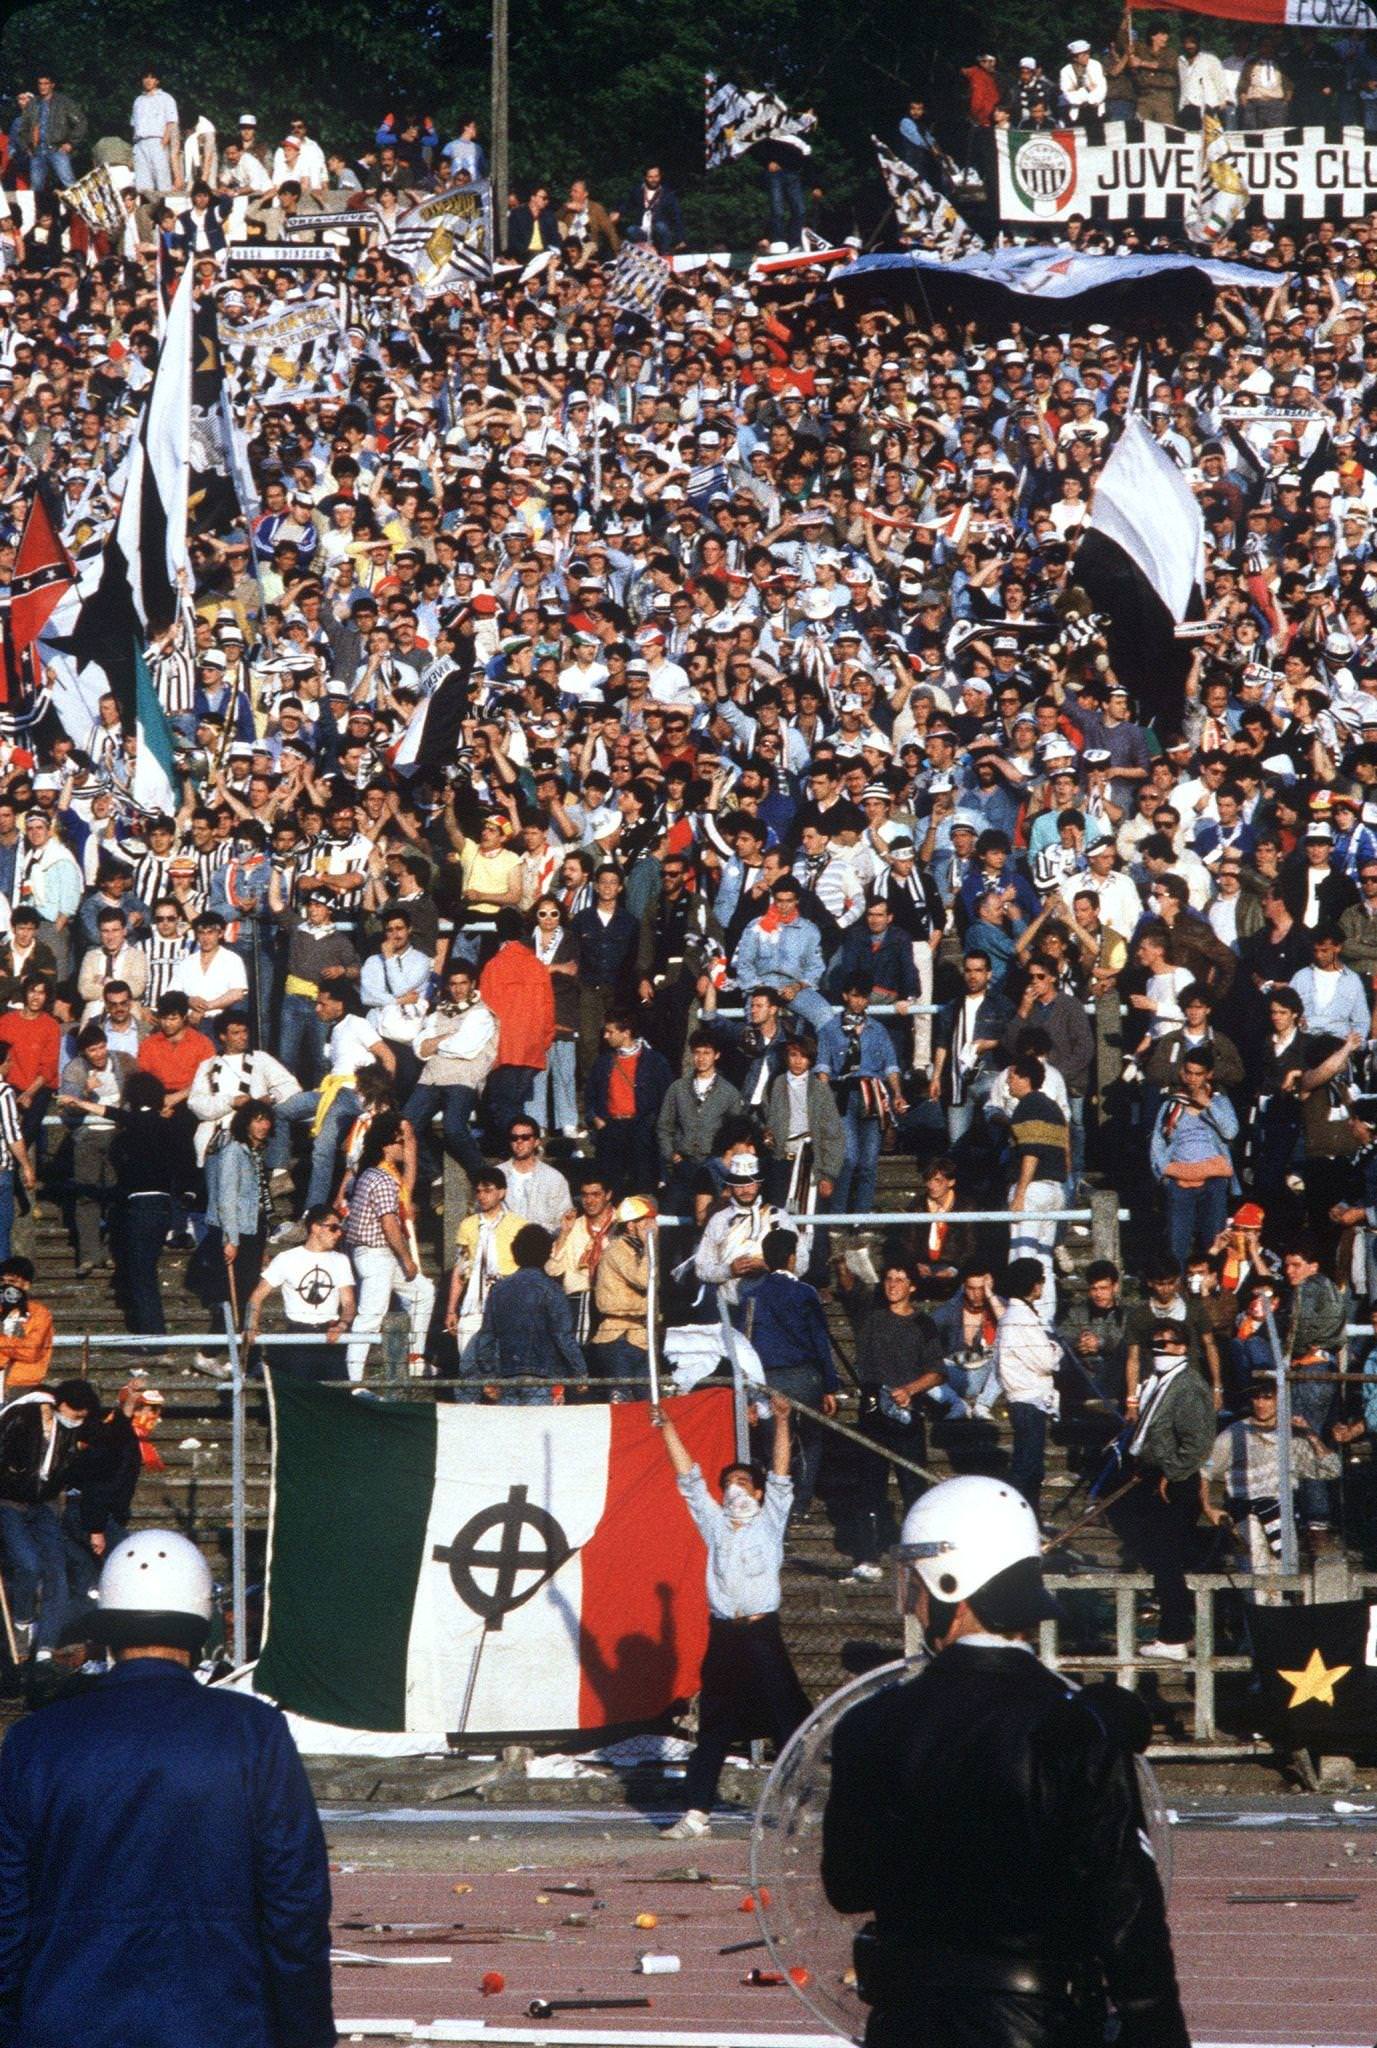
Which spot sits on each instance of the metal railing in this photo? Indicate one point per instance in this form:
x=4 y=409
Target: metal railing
x=1203 y=1666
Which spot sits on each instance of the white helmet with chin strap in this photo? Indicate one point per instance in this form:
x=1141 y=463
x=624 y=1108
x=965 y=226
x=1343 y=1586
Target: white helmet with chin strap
x=965 y=1532
x=155 y=1589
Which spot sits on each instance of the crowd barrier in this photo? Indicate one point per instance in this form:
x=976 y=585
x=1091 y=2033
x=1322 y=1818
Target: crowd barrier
x=1205 y=1664
x=1103 y=1216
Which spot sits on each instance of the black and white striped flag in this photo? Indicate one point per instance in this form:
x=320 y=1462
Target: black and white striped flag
x=145 y=552
x=925 y=216
x=736 y=120
x=446 y=240
x=1142 y=563
x=94 y=197
x=637 y=279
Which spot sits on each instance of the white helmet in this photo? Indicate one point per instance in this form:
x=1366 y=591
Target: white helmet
x=155 y=1589
x=961 y=1534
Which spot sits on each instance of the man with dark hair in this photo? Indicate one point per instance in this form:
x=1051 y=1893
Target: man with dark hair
x=528 y=1326
x=748 y=1684
x=856 y=1054
x=1026 y=1359
x=626 y=1088
x=517 y=988
x=35 y=1442
x=1169 y=1447
x=693 y=1111
x=26 y=1329
x=1041 y=1159
x=785 y=1322
x=317 y=1285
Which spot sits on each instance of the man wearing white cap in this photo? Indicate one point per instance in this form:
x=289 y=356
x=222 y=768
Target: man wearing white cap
x=1083 y=84
x=729 y=1251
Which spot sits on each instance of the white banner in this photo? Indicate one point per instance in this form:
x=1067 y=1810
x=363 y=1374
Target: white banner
x=1143 y=170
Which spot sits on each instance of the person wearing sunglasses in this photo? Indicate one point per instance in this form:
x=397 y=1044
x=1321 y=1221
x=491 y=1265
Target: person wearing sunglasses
x=316 y=1282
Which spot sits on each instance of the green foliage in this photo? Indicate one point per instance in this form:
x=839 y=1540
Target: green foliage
x=602 y=88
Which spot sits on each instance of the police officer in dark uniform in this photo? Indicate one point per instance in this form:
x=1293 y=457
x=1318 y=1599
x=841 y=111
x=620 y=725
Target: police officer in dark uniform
x=987 y=1813
x=163 y=1877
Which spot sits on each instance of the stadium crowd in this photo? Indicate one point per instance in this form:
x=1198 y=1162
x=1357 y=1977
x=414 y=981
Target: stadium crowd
x=792 y=816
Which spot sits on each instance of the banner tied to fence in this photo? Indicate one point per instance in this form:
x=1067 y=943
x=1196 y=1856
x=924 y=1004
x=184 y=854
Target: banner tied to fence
x=1144 y=170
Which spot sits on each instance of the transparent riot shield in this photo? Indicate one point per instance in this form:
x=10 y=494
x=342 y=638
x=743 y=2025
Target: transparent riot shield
x=809 y=1942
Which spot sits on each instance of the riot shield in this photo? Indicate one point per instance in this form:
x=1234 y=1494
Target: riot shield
x=808 y=1941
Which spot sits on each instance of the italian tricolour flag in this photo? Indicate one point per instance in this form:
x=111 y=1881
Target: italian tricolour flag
x=533 y=1565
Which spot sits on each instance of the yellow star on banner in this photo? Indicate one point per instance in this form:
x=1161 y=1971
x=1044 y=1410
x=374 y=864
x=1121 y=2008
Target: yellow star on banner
x=1315 y=1682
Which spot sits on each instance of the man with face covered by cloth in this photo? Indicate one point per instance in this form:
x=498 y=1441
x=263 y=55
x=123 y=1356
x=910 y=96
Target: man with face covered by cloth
x=987 y=1813
x=748 y=1684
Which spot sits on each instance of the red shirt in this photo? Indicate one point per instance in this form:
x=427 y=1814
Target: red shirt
x=175 y=1064
x=36 y=1044
x=621 y=1085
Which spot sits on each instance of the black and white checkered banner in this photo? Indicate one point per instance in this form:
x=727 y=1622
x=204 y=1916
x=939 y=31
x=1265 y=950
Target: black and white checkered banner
x=296 y=352
x=925 y=217
x=1143 y=170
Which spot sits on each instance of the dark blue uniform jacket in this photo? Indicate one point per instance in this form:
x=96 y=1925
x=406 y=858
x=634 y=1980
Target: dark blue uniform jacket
x=163 y=1877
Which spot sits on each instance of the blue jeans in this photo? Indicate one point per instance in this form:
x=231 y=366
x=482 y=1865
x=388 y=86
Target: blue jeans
x=1029 y=1461
x=1077 y=1134
x=553 y=1100
x=786 y=206
x=301 y=1039
x=456 y=1104
x=35 y=1561
x=1312 y=1400
x=6 y=1210
x=804 y=1383
x=325 y=1146
x=855 y=1190
x=1195 y=1216
x=505 y=1098
x=54 y=163
x=618 y=1360
x=814 y=1009
x=142 y=1222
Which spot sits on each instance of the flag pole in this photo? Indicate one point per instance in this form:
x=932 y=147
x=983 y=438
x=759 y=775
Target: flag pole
x=471 y=1683
x=652 y=1310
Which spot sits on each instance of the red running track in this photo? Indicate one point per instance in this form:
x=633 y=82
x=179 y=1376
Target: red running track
x=1303 y=1975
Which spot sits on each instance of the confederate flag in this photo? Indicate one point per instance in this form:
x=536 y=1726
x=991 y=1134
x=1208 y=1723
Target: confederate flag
x=43 y=570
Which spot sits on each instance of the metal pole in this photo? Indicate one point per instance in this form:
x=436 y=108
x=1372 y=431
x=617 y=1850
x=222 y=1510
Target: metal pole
x=499 y=170
x=652 y=1311
x=239 y=1518
x=742 y=1419
x=1290 y=1557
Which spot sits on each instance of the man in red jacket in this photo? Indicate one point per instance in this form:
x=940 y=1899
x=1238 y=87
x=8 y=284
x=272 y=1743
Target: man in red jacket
x=518 y=990
x=34 y=1037
x=983 y=89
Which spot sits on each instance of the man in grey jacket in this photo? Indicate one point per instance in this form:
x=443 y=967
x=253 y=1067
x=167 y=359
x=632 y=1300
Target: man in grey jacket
x=50 y=128
x=693 y=1112
x=801 y=1111
x=1156 y=1520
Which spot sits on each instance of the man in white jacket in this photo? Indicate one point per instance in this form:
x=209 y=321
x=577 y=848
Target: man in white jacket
x=1082 y=83
x=1026 y=1358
